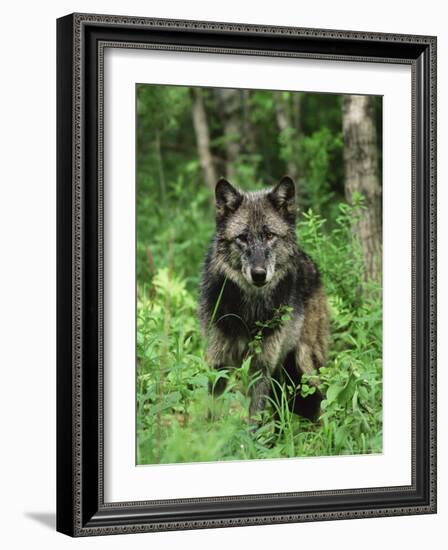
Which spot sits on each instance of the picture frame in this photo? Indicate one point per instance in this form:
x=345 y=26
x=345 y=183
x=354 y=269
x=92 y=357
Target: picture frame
x=81 y=506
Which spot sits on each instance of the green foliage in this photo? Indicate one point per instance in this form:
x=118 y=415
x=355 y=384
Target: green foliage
x=317 y=153
x=177 y=420
x=281 y=315
x=177 y=227
x=352 y=379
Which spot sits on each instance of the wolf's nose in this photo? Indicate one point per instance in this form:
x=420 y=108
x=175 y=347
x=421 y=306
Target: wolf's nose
x=258 y=275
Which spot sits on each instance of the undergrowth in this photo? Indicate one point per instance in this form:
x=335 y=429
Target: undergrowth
x=177 y=419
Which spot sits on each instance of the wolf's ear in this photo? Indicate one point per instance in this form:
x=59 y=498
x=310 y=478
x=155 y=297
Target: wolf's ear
x=227 y=197
x=283 y=197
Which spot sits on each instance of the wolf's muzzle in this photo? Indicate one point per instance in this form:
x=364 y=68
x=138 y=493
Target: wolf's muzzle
x=258 y=275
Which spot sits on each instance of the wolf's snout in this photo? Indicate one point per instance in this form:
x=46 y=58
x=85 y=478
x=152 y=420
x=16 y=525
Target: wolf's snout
x=258 y=275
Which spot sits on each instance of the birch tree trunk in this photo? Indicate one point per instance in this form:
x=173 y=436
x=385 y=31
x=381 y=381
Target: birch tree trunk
x=203 y=138
x=362 y=176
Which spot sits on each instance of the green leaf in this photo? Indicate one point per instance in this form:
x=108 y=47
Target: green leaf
x=340 y=435
x=200 y=380
x=345 y=393
x=333 y=392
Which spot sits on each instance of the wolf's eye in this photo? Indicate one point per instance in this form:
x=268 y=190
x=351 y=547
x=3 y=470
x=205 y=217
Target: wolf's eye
x=242 y=238
x=269 y=236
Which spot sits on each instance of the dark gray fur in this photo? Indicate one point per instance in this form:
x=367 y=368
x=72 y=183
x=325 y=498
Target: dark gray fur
x=255 y=262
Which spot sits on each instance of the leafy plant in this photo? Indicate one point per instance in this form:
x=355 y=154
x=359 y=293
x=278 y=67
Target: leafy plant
x=173 y=403
x=177 y=419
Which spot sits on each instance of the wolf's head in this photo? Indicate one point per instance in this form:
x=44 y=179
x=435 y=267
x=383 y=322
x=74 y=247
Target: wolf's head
x=255 y=233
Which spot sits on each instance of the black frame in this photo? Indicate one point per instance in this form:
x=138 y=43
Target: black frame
x=81 y=39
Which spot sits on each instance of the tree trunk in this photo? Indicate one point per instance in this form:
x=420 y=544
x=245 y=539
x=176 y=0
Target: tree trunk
x=248 y=137
x=286 y=120
x=160 y=164
x=362 y=176
x=231 y=111
x=297 y=111
x=203 y=138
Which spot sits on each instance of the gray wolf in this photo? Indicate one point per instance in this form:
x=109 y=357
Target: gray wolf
x=254 y=267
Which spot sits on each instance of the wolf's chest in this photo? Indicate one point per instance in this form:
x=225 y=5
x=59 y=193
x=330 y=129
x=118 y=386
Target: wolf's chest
x=239 y=313
x=243 y=319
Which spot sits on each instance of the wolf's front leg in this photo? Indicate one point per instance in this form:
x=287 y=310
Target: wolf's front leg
x=259 y=391
x=222 y=353
x=263 y=366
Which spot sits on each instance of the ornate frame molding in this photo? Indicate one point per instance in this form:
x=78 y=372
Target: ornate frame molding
x=81 y=42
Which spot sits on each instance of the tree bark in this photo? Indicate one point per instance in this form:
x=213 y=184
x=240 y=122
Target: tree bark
x=203 y=138
x=285 y=117
x=160 y=164
x=248 y=136
x=362 y=176
x=231 y=111
x=297 y=111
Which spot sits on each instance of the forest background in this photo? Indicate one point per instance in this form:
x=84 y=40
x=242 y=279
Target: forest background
x=331 y=145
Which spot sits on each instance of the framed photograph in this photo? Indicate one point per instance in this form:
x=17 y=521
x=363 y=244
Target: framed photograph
x=246 y=274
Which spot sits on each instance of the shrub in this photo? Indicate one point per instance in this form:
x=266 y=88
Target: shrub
x=177 y=421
